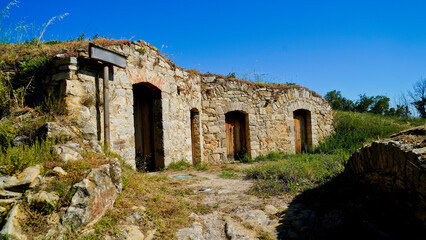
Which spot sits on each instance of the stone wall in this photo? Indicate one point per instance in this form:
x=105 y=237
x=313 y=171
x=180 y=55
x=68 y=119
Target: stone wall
x=395 y=166
x=182 y=94
x=269 y=111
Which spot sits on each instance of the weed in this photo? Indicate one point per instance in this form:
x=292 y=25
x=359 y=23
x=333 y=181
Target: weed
x=17 y=158
x=88 y=100
x=179 y=165
x=141 y=51
x=202 y=166
x=228 y=173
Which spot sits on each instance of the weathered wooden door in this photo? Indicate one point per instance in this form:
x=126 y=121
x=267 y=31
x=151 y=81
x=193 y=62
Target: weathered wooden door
x=195 y=137
x=143 y=121
x=300 y=131
x=236 y=139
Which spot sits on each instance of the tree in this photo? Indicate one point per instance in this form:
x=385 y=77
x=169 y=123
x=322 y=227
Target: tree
x=363 y=104
x=380 y=105
x=418 y=96
x=337 y=102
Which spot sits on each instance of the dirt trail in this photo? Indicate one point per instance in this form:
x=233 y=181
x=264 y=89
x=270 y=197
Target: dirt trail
x=235 y=213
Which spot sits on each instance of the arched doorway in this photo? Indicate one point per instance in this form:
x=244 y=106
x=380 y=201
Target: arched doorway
x=195 y=136
x=302 y=131
x=148 y=127
x=236 y=135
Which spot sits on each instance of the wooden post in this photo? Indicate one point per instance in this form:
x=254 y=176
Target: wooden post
x=106 y=109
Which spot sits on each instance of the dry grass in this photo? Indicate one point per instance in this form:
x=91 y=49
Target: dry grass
x=11 y=53
x=168 y=203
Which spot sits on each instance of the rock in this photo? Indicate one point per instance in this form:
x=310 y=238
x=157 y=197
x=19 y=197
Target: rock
x=133 y=218
x=23 y=179
x=271 y=209
x=214 y=226
x=234 y=231
x=95 y=146
x=195 y=232
x=9 y=201
x=89 y=131
x=12 y=226
x=67 y=152
x=258 y=218
x=150 y=234
x=21 y=141
x=53 y=130
x=139 y=208
x=115 y=170
x=59 y=171
x=8 y=194
x=130 y=232
x=43 y=200
x=94 y=196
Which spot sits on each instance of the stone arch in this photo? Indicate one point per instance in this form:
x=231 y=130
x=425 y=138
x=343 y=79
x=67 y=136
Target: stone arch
x=300 y=107
x=237 y=135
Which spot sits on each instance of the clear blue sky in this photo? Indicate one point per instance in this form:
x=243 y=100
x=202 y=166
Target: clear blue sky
x=372 y=47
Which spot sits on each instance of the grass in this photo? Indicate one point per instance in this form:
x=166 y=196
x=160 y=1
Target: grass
x=183 y=164
x=179 y=165
x=168 y=203
x=353 y=130
x=228 y=173
x=294 y=173
x=276 y=173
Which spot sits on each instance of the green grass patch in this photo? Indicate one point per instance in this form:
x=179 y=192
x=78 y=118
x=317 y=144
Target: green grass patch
x=228 y=173
x=179 y=165
x=294 y=173
x=352 y=130
x=15 y=159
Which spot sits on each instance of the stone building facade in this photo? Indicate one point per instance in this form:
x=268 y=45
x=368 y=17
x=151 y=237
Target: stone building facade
x=161 y=113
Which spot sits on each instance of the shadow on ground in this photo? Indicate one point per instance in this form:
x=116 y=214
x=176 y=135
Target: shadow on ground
x=341 y=209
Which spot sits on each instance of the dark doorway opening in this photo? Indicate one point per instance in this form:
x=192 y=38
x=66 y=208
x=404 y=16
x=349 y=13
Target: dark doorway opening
x=302 y=131
x=195 y=136
x=148 y=127
x=236 y=135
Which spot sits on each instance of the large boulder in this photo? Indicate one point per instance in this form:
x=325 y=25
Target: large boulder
x=94 y=196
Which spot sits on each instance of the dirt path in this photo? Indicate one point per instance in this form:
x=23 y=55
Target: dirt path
x=236 y=215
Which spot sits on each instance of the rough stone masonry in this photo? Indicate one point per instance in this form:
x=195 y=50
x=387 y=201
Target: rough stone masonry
x=161 y=113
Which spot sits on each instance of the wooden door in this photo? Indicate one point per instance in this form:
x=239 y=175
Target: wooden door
x=195 y=137
x=143 y=121
x=300 y=132
x=236 y=140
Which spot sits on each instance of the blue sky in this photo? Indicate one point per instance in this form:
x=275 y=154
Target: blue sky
x=356 y=47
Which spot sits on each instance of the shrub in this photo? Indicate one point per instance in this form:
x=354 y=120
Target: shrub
x=16 y=159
